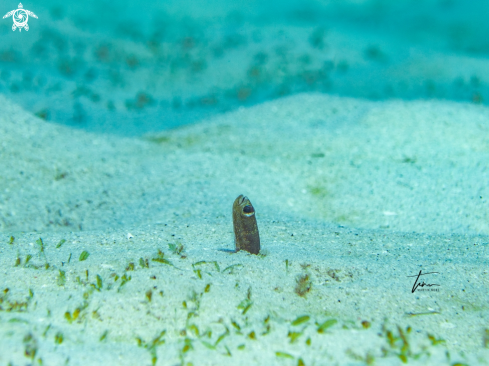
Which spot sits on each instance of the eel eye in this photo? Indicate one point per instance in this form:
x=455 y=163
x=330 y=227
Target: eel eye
x=247 y=210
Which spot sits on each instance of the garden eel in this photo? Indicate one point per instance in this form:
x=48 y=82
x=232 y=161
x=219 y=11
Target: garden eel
x=246 y=235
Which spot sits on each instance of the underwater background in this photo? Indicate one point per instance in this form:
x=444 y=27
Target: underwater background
x=130 y=67
x=359 y=130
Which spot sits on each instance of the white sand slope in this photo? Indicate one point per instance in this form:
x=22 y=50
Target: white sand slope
x=404 y=166
x=353 y=196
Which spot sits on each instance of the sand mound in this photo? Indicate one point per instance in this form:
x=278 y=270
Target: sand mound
x=337 y=183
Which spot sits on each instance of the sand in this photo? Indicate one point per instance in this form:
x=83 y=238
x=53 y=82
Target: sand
x=352 y=197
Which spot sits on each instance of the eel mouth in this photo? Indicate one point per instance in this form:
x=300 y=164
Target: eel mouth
x=245 y=206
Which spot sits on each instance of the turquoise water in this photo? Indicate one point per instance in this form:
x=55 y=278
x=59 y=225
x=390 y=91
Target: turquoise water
x=130 y=68
x=110 y=245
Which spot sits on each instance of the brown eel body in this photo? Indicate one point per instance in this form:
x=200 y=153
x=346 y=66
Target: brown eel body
x=246 y=235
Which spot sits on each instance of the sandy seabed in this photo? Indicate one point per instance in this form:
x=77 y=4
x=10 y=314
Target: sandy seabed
x=117 y=250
